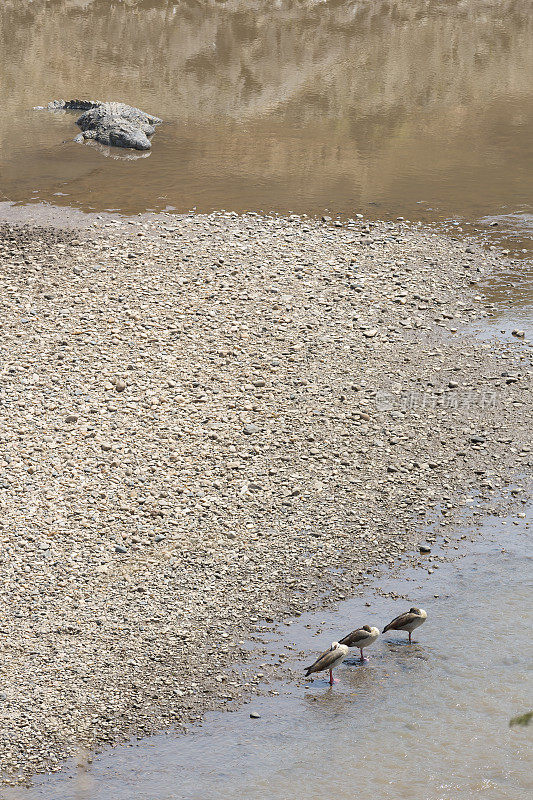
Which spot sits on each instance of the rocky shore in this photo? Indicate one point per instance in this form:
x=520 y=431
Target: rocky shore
x=211 y=421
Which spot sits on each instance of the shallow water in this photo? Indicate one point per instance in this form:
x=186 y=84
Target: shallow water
x=418 y=108
x=426 y=722
x=412 y=107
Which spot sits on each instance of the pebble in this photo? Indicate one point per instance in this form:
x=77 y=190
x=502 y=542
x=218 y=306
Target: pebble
x=246 y=466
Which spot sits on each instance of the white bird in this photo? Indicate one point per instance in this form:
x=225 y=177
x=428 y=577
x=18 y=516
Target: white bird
x=407 y=622
x=362 y=637
x=329 y=660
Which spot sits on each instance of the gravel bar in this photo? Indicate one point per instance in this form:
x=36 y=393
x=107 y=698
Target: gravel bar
x=209 y=421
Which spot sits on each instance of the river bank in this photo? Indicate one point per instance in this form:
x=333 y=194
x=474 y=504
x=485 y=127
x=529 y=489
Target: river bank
x=449 y=696
x=210 y=421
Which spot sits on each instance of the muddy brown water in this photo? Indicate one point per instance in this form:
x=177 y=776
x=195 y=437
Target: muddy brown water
x=414 y=108
x=421 y=722
x=421 y=108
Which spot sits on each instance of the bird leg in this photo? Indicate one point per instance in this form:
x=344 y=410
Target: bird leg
x=331 y=678
x=362 y=656
x=410 y=637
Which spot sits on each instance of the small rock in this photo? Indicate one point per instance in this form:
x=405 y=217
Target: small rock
x=119 y=548
x=70 y=419
x=255 y=715
x=250 y=428
x=423 y=548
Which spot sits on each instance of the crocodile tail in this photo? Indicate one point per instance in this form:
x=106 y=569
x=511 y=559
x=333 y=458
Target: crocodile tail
x=57 y=105
x=81 y=105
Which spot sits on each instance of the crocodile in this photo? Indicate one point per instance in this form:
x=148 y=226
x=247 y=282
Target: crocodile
x=110 y=123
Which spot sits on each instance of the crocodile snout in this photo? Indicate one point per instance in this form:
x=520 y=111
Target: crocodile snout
x=134 y=139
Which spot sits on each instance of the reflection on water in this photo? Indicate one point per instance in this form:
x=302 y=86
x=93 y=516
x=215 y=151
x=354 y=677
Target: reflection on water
x=427 y=722
x=413 y=107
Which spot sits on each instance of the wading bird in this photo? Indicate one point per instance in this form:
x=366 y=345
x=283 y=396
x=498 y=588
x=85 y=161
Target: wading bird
x=329 y=660
x=362 y=637
x=407 y=622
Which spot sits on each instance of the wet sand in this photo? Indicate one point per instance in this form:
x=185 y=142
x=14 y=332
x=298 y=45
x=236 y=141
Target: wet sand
x=210 y=421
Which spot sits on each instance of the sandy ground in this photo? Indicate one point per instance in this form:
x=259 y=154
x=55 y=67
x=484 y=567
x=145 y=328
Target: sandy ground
x=208 y=422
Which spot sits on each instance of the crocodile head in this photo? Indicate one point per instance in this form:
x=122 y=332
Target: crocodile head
x=125 y=134
x=120 y=133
